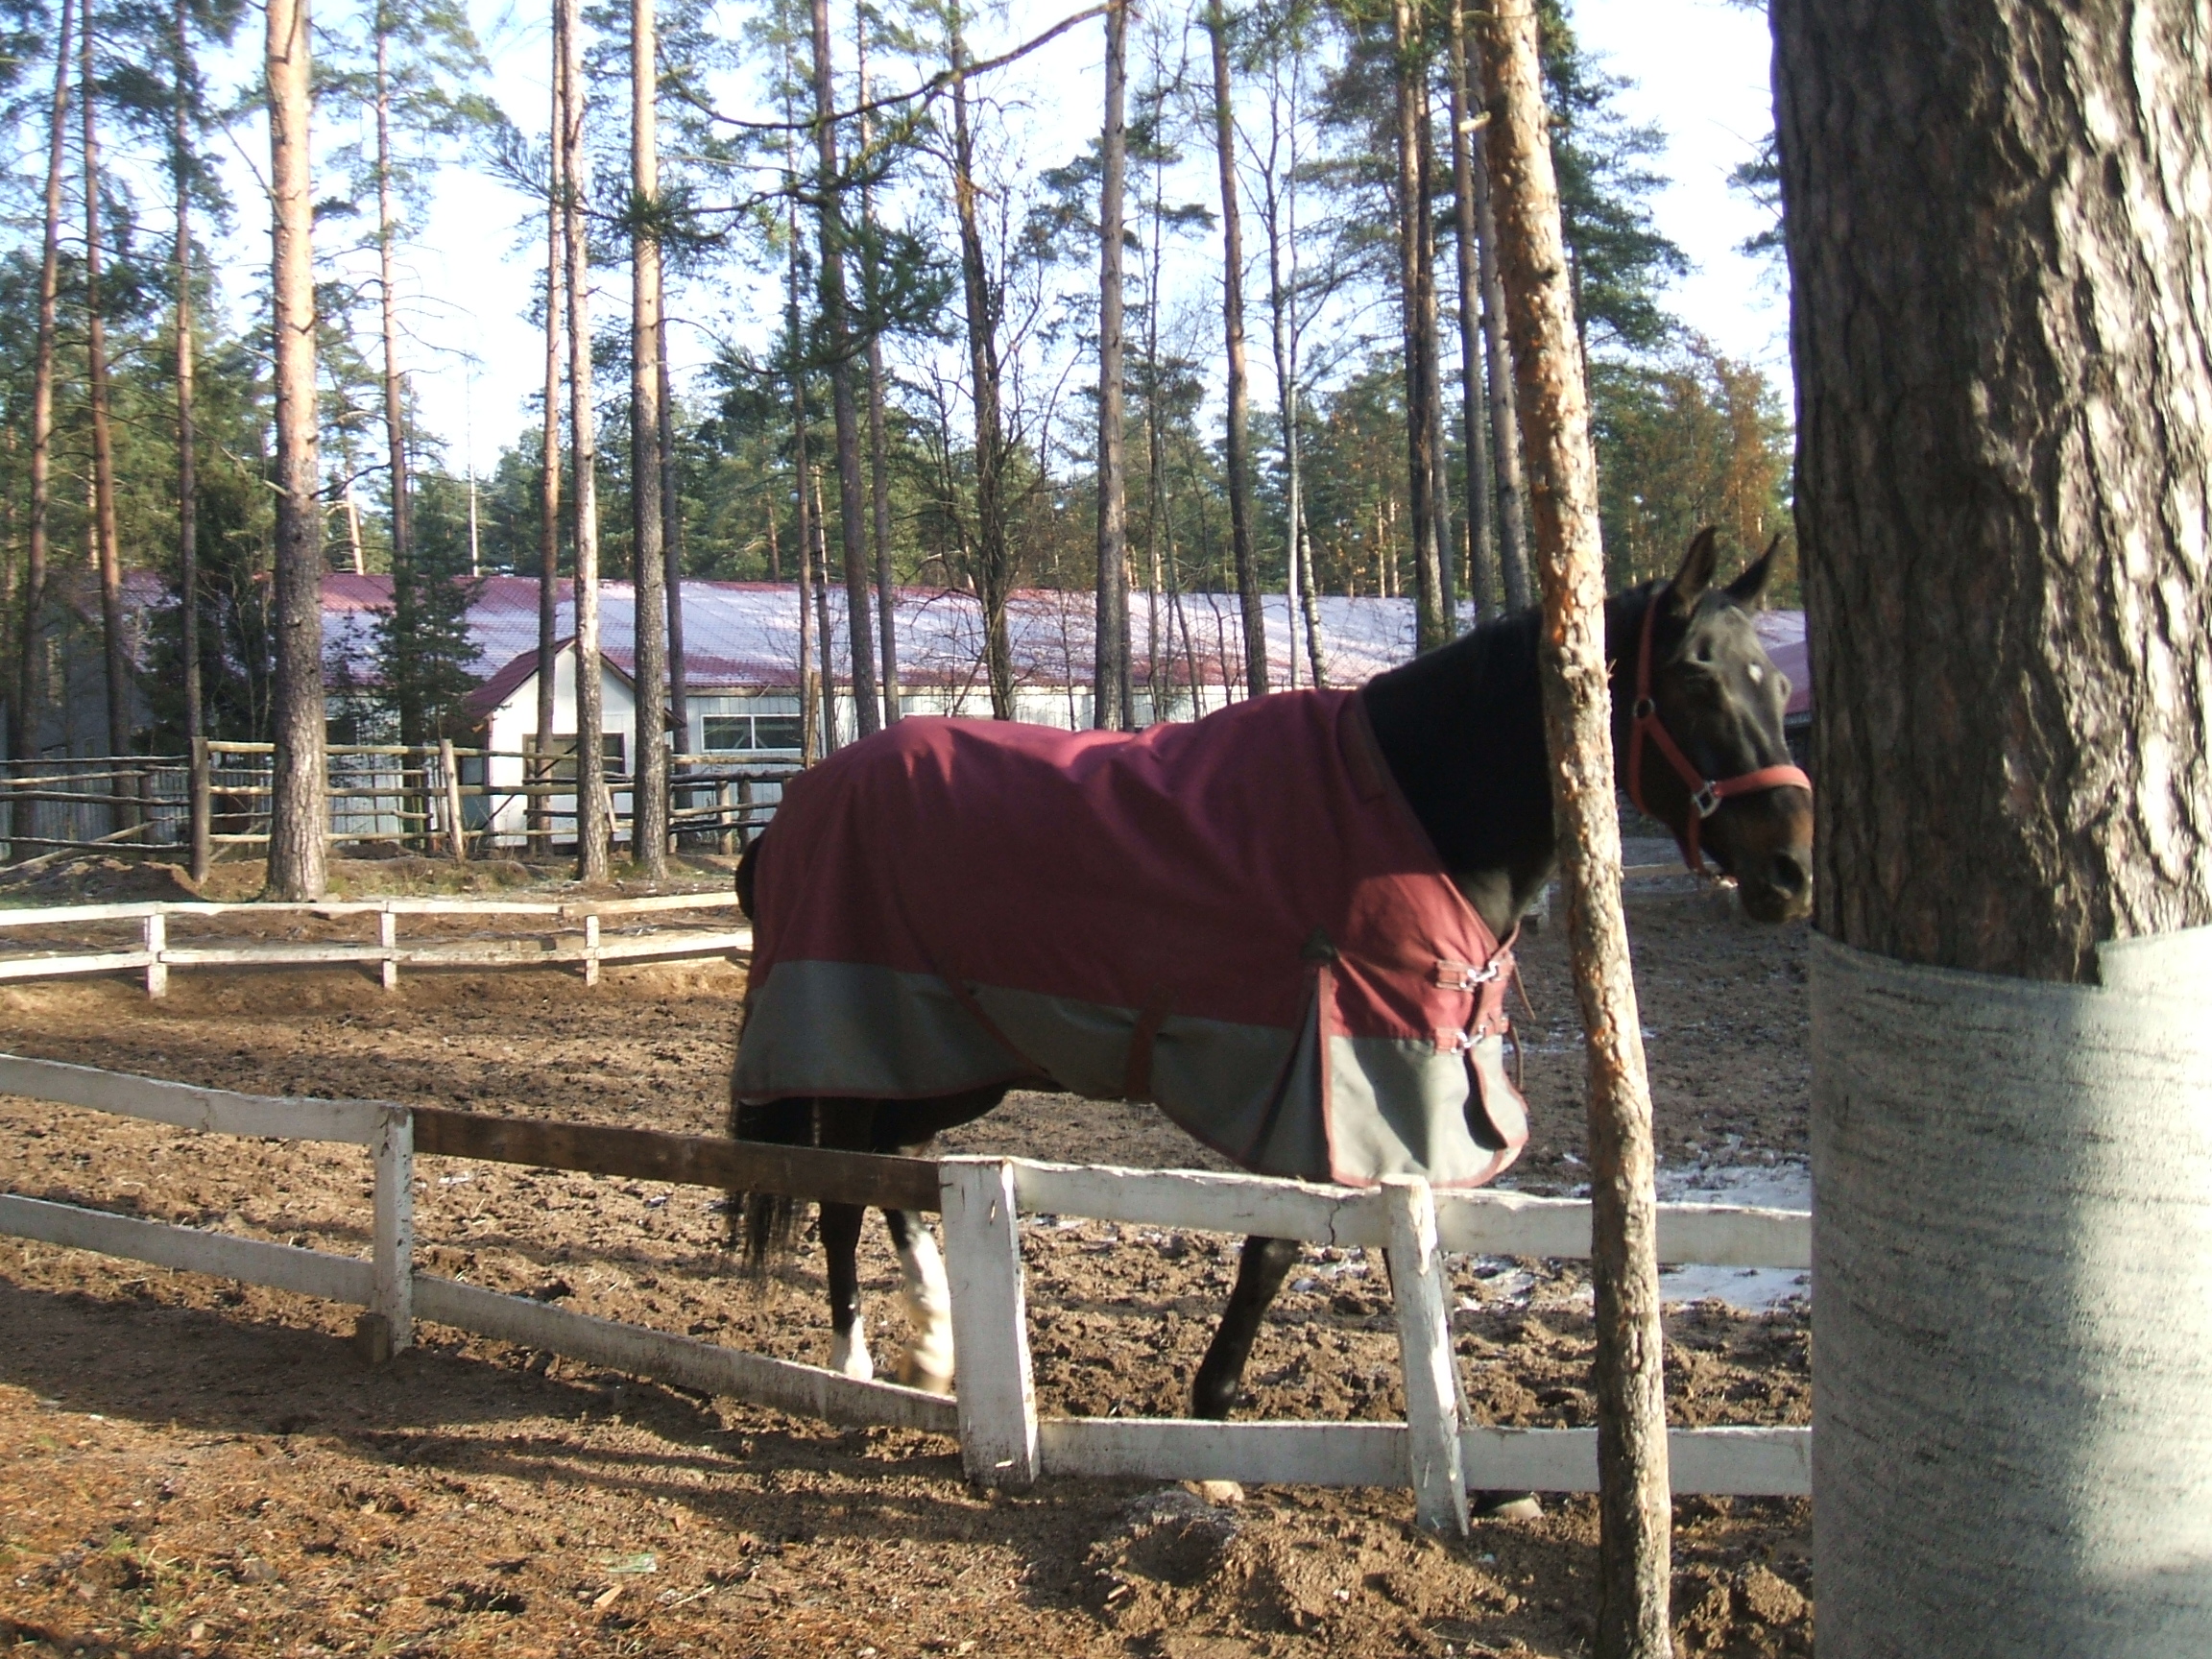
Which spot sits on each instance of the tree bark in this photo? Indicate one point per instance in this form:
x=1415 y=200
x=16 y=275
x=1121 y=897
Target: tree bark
x=672 y=540
x=406 y=597
x=1110 y=689
x=836 y=312
x=649 y=770
x=115 y=644
x=818 y=550
x=29 y=702
x=1634 y=1506
x=1237 y=448
x=1506 y=473
x=993 y=555
x=540 y=818
x=810 y=712
x=1420 y=450
x=879 y=439
x=2001 y=480
x=1482 y=579
x=593 y=828
x=187 y=456
x=1440 y=540
x=298 y=819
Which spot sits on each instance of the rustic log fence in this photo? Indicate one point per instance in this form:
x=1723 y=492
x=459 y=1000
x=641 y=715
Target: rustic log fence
x=571 y=934
x=441 y=798
x=1004 y=1441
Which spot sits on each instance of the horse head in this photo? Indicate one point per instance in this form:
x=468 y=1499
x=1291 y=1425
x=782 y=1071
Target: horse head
x=1697 y=730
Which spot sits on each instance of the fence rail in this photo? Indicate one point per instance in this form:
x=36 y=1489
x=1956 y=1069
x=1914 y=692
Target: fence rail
x=588 y=948
x=994 y=1414
x=443 y=797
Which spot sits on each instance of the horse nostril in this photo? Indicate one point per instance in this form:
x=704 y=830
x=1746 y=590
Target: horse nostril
x=1790 y=874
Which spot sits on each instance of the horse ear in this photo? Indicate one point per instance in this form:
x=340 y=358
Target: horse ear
x=1697 y=574
x=1747 y=587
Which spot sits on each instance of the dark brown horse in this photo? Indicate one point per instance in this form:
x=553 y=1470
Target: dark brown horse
x=1698 y=718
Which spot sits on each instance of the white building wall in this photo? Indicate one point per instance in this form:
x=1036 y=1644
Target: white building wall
x=516 y=720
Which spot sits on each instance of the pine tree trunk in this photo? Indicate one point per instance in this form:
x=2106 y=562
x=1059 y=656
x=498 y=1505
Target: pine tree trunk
x=1110 y=689
x=593 y=828
x=852 y=487
x=672 y=540
x=984 y=372
x=1238 y=454
x=1482 y=579
x=1440 y=542
x=114 y=642
x=879 y=440
x=1633 y=1503
x=1506 y=473
x=539 y=820
x=406 y=597
x=187 y=458
x=2014 y=764
x=1420 y=450
x=810 y=654
x=28 y=705
x=818 y=551
x=649 y=770
x=298 y=819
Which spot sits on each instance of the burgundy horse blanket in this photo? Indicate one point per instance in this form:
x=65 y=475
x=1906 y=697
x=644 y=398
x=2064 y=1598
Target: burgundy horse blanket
x=1237 y=918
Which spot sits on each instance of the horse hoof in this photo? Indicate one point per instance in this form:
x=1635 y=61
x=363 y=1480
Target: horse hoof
x=926 y=1378
x=1505 y=1505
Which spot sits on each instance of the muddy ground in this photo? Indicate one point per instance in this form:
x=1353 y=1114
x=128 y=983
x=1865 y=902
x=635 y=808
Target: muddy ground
x=193 y=1467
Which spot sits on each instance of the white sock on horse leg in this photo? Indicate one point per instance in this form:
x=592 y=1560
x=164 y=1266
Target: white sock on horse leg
x=929 y=1302
x=849 y=1353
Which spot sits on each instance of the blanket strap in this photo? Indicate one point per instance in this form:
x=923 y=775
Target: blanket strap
x=1137 y=1071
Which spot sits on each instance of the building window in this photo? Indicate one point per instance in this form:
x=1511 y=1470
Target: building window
x=748 y=733
x=562 y=746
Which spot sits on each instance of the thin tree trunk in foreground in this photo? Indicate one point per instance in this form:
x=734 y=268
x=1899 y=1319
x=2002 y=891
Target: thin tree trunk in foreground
x=188 y=457
x=1505 y=470
x=672 y=540
x=26 y=705
x=836 y=312
x=879 y=439
x=593 y=828
x=541 y=771
x=1238 y=451
x=1634 y=1512
x=115 y=647
x=794 y=342
x=649 y=770
x=1420 y=429
x=1440 y=540
x=299 y=817
x=983 y=367
x=406 y=580
x=1109 y=690
x=818 y=550
x=1482 y=583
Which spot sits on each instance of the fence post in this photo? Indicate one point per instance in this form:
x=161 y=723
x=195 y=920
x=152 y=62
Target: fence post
x=388 y=940
x=992 y=1389
x=388 y=1324
x=591 y=950
x=156 y=932
x=456 y=832
x=200 y=810
x=1422 y=1293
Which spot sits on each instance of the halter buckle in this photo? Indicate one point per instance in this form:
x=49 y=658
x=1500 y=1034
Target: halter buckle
x=1707 y=799
x=1646 y=709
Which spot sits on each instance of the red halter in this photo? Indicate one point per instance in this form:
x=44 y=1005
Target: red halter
x=1705 y=793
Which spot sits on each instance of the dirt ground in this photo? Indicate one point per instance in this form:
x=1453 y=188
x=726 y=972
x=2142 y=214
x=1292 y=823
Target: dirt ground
x=193 y=1467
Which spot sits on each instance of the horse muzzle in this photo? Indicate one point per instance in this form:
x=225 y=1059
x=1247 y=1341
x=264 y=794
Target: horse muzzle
x=1777 y=886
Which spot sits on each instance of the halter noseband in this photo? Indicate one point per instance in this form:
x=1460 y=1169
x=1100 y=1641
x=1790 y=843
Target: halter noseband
x=1705 y=793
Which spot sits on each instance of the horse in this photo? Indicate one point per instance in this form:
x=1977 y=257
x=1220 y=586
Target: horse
x=1697 y=728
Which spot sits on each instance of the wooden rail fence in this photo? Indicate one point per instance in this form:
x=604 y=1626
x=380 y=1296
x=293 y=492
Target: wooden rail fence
x=578 y=937
x=1438 y=1451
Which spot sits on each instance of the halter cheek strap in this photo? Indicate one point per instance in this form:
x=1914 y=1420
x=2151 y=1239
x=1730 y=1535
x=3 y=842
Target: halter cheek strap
x=1705 y=793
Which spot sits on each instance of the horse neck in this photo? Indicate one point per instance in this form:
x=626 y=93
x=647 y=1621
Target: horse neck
x=1461 y=728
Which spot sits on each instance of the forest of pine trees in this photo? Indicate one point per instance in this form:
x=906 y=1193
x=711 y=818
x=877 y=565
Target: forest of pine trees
x=1286 y=374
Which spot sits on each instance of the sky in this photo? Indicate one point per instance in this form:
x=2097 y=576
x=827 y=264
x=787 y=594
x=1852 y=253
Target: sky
x=1698 y=69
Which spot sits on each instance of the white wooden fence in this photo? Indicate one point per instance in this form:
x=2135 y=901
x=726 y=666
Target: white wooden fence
x=1437 y=1451
x=576 y=929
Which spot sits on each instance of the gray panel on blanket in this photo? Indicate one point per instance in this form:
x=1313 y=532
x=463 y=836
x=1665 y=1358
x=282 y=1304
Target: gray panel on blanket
x=848 y=1028
x=1398 y=1107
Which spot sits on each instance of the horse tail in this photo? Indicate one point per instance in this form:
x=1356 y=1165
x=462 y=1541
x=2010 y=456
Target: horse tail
x=761 y=1224
x=748 y=871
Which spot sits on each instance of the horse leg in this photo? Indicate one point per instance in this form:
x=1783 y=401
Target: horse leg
x=928 y=1302
x=1260 y=1275
x=841 y=1246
